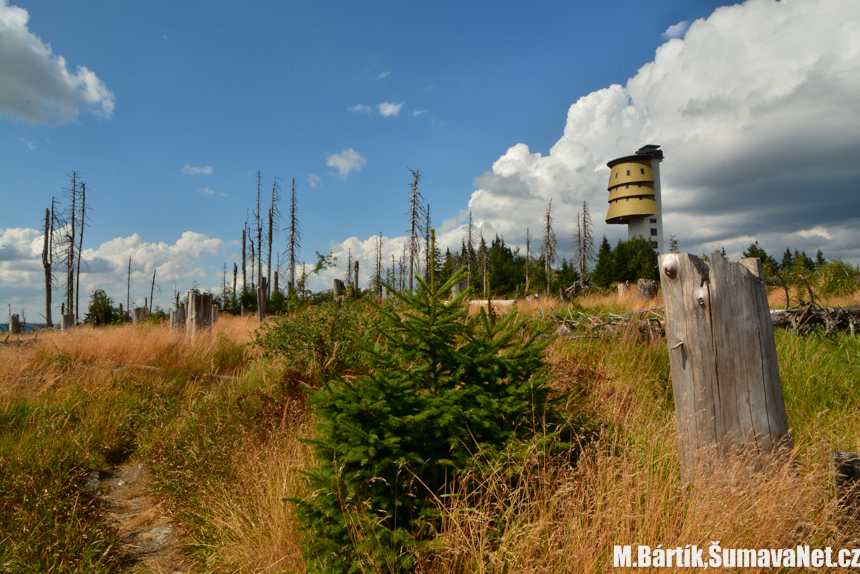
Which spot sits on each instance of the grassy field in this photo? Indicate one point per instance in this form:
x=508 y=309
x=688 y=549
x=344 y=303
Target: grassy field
x=220 y=428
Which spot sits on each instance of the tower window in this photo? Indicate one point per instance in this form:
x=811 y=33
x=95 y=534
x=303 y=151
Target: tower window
x=653 y=220
x=628 y=172
x=627 y=186
x=642 y=170
x=616 y=175
x=640 y=185
x=653 y=231
x=654 y=244
x=628 y=199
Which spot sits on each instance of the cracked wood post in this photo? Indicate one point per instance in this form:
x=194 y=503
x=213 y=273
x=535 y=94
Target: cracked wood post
x=722 y=354
x=261 y=300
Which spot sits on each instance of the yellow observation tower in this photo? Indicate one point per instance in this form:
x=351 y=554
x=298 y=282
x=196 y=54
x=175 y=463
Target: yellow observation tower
x=634 y=194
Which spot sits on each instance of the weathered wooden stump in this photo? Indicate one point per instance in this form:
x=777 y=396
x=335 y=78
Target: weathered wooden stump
x=214 y=314
x=646 y=289
x=15 y=325
x=138 y=315
x=337 y=287
x=198 y=314
x=725 y=373
x=68 y=321
x=623 y=289
x=177 y=319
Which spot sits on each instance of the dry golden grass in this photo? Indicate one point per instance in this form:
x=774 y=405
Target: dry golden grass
x=256 y=527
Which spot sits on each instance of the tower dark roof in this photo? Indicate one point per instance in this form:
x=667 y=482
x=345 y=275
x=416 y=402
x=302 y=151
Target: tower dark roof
x=650 y=151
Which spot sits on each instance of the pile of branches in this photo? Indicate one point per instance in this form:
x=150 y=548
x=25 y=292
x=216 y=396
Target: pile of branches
x=809 y=316
x=580 y=325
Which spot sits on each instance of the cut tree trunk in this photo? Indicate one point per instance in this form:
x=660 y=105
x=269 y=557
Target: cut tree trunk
x=722 y=354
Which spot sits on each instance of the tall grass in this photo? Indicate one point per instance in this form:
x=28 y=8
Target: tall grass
x=224 y=453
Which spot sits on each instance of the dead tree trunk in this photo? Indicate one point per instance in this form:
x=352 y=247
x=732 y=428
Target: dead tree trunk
x=337 y=287
x=47 y=261
x=355 y=281
x=177 y=319
x=261 y=299
x=15 y=325
x=725 y=373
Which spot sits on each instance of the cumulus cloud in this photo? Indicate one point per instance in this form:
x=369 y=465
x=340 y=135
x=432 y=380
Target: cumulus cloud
x=757 y=142
x=388 y=109
x=418 y=112
x=676 y=31
x=346 y=161
x=104 y=267
x=313 y=180
x=383 y=75
x=360 y=109
x=194 y=170
x=35 y=84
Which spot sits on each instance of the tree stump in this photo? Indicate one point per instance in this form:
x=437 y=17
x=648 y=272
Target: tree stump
x=68 y=321
x=198 y=314
x=138 y=315
x=177 y=319
x=722 y=354
x=646 y=289
x=337 y=287
x=623 y=289
x=15 y=325
x=214 y=314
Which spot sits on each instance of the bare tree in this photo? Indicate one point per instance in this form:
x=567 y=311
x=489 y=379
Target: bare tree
x=259 y=234
x=152 y=290
x=427 y=246
x=235 y=272
x=378 y=266
x=470 y=250
x=583 y=243
x=528 y=259
x=274 y=216
x=128 y=289
x=549 y=243
x=415 y=223
x=69 y=242
x=48 y=261
x=82 y=223
x=294 y=242
x=244 y=256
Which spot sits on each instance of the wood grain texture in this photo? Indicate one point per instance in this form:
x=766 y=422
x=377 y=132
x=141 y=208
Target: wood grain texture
x=725 y=372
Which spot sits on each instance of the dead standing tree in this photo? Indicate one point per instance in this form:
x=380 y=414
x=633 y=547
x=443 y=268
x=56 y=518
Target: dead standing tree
x=294 y=242
x=48 y=260
x=583 y=243
x=274 y=222
x=549 y=243
x=416 y=223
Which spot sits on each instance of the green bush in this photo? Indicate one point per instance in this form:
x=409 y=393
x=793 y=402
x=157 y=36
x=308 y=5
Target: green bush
x=840 y=278
x=317 y=337
x=437 y=392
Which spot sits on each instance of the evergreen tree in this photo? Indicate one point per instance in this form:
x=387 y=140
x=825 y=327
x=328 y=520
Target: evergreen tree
x=437 y=389
x=819 y=259
x=602 y=274
x=787 y=261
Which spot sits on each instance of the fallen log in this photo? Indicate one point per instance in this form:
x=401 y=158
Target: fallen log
x=804 y=319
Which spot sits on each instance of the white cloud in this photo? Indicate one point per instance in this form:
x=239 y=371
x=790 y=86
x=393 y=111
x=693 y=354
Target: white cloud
x=105 y=267
x=676 y=31
x=194 y=170
x=388 y=109
x=313 y=180
x=383 y=75
x=360 y=109
x=816 y=231
x=206 y=191
x=759 y=141
x=35 y=84
x=418 y=112
x=346 y=161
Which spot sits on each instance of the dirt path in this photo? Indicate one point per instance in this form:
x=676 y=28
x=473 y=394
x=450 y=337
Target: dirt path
x=149 y=540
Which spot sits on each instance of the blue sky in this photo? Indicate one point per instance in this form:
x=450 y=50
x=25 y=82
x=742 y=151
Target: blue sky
x=501 y=105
